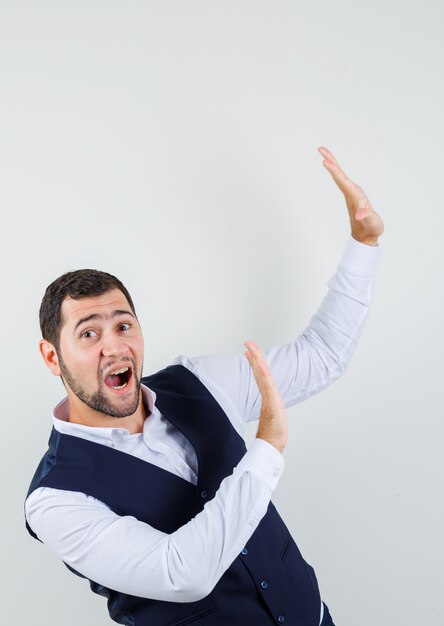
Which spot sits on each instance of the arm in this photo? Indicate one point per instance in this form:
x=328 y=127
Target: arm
x=323 y=351
x=127 y=555
x=312 y=361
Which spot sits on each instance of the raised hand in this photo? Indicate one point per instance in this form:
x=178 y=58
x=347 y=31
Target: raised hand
x=366 y=224
x=273 y=418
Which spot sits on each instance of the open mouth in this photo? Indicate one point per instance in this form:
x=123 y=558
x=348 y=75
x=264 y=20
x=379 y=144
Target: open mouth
x=119 y=378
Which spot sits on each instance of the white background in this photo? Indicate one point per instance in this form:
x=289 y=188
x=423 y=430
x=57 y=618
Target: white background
x=173 y=143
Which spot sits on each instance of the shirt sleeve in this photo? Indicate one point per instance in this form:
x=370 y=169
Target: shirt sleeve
x=127 y=555
x=312 y=361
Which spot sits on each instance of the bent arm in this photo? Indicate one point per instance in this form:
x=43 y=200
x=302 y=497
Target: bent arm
x=312 y=361
x=127 y=555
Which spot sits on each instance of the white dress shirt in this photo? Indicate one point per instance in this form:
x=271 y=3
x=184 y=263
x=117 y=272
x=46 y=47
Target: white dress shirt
x=125 y=554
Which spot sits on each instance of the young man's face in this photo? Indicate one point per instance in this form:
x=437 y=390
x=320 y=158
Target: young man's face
x=101 y=354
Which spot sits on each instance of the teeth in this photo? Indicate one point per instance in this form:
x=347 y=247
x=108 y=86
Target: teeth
x=121 y=371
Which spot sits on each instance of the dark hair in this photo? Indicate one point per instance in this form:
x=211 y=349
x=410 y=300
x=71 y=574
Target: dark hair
x=76 y=285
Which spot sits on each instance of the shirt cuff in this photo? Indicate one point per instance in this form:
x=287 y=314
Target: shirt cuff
x=359 y=258
x=264 y=461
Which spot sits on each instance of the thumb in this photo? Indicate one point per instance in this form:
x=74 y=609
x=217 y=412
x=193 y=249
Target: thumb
x=362 y=213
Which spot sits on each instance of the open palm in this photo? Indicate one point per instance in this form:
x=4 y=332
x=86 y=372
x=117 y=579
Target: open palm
x=366 y=224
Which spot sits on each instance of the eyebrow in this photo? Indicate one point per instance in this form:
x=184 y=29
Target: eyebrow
x=98 y=316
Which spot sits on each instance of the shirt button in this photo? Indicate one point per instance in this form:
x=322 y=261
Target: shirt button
x=244 y=551
x=264 y=584
x=203 y=494
x=253 y=522
x=276 y=472
x=280 y=619
x=121 y=432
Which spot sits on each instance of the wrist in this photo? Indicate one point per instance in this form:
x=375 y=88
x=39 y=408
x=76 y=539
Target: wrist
x=279 y=444
x=368 y=241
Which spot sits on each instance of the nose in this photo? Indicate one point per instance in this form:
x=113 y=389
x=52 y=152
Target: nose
x=113 y=345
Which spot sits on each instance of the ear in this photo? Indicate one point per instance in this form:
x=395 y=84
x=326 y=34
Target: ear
x=50 y=357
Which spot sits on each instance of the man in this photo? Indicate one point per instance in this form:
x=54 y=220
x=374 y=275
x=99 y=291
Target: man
x=147 y=488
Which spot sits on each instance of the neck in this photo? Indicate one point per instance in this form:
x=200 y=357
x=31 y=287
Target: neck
x=81 y=413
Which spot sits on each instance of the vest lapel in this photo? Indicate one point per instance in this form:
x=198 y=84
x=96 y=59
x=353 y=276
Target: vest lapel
x=189 y=408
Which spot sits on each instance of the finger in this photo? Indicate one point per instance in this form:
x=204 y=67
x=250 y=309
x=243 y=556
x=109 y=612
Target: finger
x=256 y=357
x=339 y=176
x=345 y=184
x=327 y=154
x=255 y=351
x=363 y=212
x=358 y=204
x=260 y=367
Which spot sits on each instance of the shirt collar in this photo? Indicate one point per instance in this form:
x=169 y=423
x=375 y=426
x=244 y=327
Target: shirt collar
x=100 y=434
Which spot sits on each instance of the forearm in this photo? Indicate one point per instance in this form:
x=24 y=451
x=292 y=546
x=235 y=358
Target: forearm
x=127 y=555
x=215 y=537
x=322 y=352
x=314 y=359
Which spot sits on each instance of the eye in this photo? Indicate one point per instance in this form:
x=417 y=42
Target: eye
x=125 y=326
x=87 y=334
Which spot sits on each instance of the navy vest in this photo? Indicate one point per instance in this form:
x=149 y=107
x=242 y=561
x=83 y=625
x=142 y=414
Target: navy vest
x=130 y=486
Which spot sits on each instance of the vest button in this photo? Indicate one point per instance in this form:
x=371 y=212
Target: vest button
x=281 y=619
x=264 y=585
x=244 y=551
x=203 y=494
